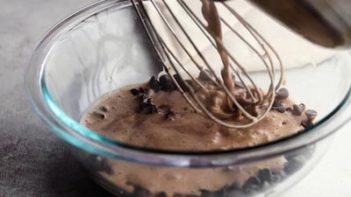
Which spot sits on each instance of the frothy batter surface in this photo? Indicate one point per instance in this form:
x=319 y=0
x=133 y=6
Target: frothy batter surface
x=157 y=116
x=175 y=125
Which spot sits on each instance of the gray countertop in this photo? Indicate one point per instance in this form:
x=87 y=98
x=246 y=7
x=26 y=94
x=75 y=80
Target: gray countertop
x=34 y=162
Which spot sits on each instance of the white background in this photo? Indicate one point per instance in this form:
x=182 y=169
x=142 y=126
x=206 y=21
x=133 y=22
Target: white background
x=332 y=175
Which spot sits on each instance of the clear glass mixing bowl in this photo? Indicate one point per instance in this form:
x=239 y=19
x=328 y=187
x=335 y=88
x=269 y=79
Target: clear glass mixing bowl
x=100 y=49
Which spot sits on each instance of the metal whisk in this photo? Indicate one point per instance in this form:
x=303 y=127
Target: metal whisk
x=184 y=74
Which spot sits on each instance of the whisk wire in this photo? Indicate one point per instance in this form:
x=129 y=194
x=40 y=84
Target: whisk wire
x=172 y=63
x=202 y=27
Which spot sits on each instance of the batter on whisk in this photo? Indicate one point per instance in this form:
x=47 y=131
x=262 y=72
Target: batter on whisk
x=214 y=27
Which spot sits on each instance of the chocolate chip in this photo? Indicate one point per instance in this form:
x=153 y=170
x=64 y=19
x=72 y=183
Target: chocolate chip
x=298 y=109
x=205 y=75
x=135 y=92
x=277 y=103
x=148 y=106
x=206 y=193
x=143 y=91
x=226 y=191
x=140 y=192
x=145 y=103
x=170 y=115
x=167 y=111
x=265 y=175
x=184 y=195
x=292 y=166
x=306 y=123
x=233 y=186
x=103 y=109
x=154 y=84
x=153 y=109
x=253 y=184
x=282 y=94
x=140 y=108
x=181 y=83
x=148 y=101
x=162 y=194
x=277 y=177
x=166 y=83
x=280 y=108
x=236 y=193
x=311 y=114
x=232 y=190
x=220 y=192
x=139 y=92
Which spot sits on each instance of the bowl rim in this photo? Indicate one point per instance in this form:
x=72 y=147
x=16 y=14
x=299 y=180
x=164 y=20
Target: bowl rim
x=88 y=140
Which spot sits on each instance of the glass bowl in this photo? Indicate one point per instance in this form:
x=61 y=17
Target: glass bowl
x=101 y=48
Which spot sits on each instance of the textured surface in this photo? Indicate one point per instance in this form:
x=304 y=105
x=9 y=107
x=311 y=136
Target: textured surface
x=34 y=162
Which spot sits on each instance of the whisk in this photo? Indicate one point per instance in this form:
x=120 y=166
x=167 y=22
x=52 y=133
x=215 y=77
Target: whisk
x=181 y=36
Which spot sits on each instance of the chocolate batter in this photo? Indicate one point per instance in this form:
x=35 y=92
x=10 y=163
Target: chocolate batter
x=115 y=115
x=157 y=116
